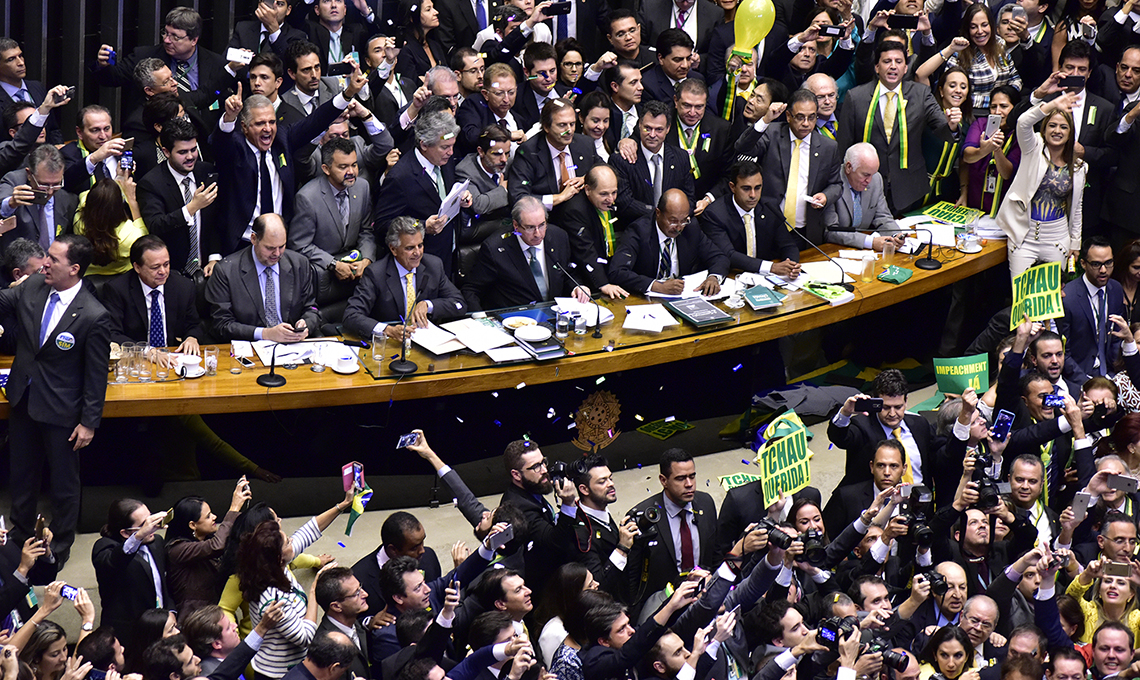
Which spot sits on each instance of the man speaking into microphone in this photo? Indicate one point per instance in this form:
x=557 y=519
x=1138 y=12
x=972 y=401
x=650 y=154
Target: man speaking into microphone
x=523 y=266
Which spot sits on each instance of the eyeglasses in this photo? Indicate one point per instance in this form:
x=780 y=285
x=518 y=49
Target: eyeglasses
x=474 y=70
x=573 y=65
x=803 y=117
x=979 y=623
x=675 y=223
x=621 y=35
x=530 y=230
x=1099 y=265
x=540 y=465
x=173 y=38
x=45 y=187
x=357 y=593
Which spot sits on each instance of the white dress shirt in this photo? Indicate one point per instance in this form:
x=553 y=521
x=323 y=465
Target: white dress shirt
x=147 y=290
x=65 y=299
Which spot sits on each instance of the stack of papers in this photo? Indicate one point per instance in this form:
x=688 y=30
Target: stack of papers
x=653 y=318
x=477 y=336
x=322 y=352
x=436 y=340
x=588 y=311
x=826 y=272
x=692 y=282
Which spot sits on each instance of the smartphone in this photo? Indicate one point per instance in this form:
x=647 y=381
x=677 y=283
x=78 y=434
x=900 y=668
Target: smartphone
x=236 y=54
x=407 y=440
x=167 y=518
x=70 y=94
x=1123 y=483
x=128 y=144
x=1002 y=425
x=1072 y=83
x=502 y=538
x=1081 y=502
x=211 y=178
x=1019 y=11
x=70 y=592
x=831 y=31
x=557 y=9
x=1088 y=31
x=908 y=21
x=993 y=124
x=868 y=405
x=8 y=224
x=111 y=58
x=1053 y=401
x=40 y=197
x=127 y=160
x=39 y=527
x=1122 y=569
x=246 y=362
x=340 y=69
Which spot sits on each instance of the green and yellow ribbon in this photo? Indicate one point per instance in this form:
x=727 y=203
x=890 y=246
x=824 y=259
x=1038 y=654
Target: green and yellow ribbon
x=608 y=232
x=900 y=128
x=691 y=147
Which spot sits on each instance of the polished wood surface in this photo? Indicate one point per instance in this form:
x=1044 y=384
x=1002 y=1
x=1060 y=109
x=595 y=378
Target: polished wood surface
x=464 y=373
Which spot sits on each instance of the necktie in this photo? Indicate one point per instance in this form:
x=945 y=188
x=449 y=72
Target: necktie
x=656 y=158
x=101 y=171
x=791 y=195
x=890 y=115
x=47 y=234
x=681 y=19
x=908 y=473
x=536 y=270
x=687 y=561
x=831 y=127
x=1101 y=334
x=193 y=261
x=265 y=45
x=628 y=119
x=563 y=172
x=480 y=14
x=182 y=75
x=689 y=136
x=665 y=268
x=157 y=337
x=409 y=296
x=25 y=96
x=857 y=209
x=52 y=302
x=342 y=206
x=495 y=178
x=563 y=26
x=503 y=124
x=266 y=187
x=272 y=318
x=749 y=236
x=439 y=183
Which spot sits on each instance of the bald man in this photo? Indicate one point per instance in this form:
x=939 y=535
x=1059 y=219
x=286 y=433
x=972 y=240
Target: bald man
x=590 y=220
x=656 y=251
x=928 y=611
x=862 y=205
x=827 y=100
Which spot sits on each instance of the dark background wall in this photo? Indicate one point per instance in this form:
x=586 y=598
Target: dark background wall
x=61 y=37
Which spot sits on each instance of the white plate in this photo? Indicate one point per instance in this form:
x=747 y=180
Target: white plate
x=355 y=368
x=533 y=333
x=193 y=372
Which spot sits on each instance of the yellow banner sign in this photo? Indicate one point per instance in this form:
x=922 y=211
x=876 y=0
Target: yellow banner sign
x=785 y=466
x=1037 y=293
x=730 y=482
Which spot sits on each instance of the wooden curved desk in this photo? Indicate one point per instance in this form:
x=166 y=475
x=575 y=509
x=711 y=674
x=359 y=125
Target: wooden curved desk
x=459 y=374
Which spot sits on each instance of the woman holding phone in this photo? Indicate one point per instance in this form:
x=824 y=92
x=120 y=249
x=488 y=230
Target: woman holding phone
x=990 y=153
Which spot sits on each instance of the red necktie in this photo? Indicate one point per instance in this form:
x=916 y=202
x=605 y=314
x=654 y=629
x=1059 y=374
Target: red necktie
x=686 y=543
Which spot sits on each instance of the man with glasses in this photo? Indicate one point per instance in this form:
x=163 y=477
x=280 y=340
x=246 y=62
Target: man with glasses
x=656 y=252
x=35 y=195
x=1091 y=344
x=826 y=101
x=802 y=165
x=469 y=67
x=524 y=266
x=491 y=105
x=344 y=600
x=657 y=167
x=199 y=73
x=978 y=620
x=624 y=34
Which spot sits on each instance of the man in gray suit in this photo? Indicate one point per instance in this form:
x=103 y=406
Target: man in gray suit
x=310 y=90
x=862 y=206
x=264 y=292
x=372 y=147
x=332 y=222
x=486 y=167
x=23 y=193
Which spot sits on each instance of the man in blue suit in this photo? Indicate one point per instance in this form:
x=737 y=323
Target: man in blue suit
x=255 y=166
x=1089 y=302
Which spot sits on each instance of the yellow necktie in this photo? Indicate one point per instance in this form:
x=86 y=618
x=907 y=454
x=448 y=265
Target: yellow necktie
x=890 y=116
x=908 y=474
x=608 y=231
x=749 y=236
x=791 y=195
x=409 y=296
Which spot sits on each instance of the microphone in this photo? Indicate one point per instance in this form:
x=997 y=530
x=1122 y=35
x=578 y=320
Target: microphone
x=842 y=272
x=927 y=262
x=402 y=365
x=597 y=309
x=271 y=379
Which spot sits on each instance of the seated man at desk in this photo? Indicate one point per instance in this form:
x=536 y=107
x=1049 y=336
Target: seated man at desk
x=403 y=290
x=862 y=205
x=655 y=252
x=523 y=266
x=264 y=292
x=750 y=229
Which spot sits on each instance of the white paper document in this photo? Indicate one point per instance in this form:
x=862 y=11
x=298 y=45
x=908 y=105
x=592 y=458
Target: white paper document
x=651 y=318
x=691 y=283
x=826 y=272
x=436 y=340
x=241 y=348
x=588 y=311
x=449 y=208
x=477 y=336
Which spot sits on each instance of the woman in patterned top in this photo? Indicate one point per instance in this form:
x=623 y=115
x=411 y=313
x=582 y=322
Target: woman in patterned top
x=1127 y=272
x=981 y=53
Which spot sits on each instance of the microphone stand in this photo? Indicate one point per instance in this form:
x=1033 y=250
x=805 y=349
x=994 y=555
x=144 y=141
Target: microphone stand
x=842 y=272
x=272 y=379
x=597 y=308
x=402 y=365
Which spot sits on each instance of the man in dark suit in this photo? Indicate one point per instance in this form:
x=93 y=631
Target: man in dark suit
x=333 y=218
x=1124 y=138
x=310 y=90
x=797 y=59
x=201 y=74
x=624 y=33
x=796 y=146
x=130 y=565
x=15 y=87
x=401 y=535
x=674 y=54
x=552 y=166
x=380 y=303
x=492 y=105
x=523 y=266
x=1089 y=301
x=655 y=253
x=269 y=32
x=611 y=650
x=40 y=223
x=900 y=157
x=540 y=68
x=706 y=139
x=589 y=220
x=860 y=435
x=1118 y=84
x=862 y=187
x=659 y=167
x=329 y=20
x=130 y=299
x=389 y=93
x=264 y=292
x=176 y=203
x=418 y=183
x=344 y=601
x=330 y=656
x=750 y=229
x=686 y=529
x=94 y=155
x=255 y=164
x=25 y=127
x=623 y=83
x=847 y=502
x=59 y=381
x=266 y=75
x=459 y=22
x=695 y=18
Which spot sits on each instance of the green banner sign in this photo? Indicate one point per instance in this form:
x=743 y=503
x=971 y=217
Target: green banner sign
x=955 y=375
x=784 y=466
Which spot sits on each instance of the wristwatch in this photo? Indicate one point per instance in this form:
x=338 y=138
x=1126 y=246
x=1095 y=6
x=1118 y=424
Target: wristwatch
x=87 y=626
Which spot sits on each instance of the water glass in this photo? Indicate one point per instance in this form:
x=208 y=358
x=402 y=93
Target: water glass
x=210 y=359
x=128 y=358
x=160 y=370
x=235 y=364
x=379 y=346
x=145 y=353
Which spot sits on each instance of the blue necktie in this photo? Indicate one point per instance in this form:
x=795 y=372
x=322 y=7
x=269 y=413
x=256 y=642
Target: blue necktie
x=480 y=14
x=52 y=302
x=1101 y=334
x=157 y=337
x=563 y=27
x=857 y=201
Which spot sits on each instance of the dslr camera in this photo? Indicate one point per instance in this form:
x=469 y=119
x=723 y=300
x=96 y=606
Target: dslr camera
x=815 y=552
x=989 y=496
x=646 y=520
x=938 y=585
x=834 y=628
x=917 y=509
x=891 y=658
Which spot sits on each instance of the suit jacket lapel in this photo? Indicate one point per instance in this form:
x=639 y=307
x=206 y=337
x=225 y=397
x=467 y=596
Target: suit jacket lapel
x=785 y=154
x=813 y=156
x=396 y=286
x=138 y=301
x=666 y=530
x=518 y=258
x=334 y=209
x=252 y=286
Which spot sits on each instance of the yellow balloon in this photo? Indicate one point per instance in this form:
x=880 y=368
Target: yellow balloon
x=754 y=19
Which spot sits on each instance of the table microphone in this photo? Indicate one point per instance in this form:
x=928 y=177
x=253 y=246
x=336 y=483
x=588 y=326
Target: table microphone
x=597 y=309
x=272 y=379
x=927 y=262
x=842 y=272
x=402 y=365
